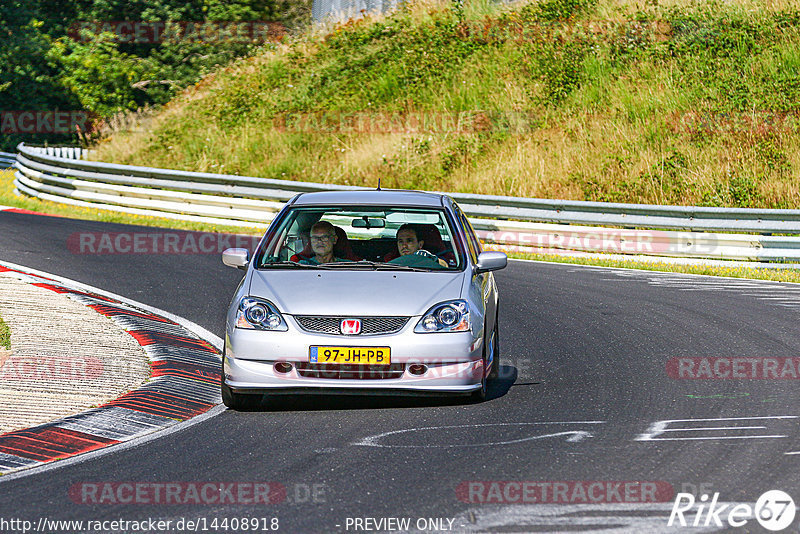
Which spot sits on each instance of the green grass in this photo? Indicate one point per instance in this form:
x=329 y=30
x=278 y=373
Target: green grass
x=680 y=102
x=734 y=271
x=5 y=335
x=8 y=198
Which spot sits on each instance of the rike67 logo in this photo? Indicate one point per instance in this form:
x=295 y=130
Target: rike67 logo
x=774 y=510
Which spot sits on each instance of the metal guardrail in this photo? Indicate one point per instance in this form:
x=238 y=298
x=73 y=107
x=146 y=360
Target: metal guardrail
x=341 y=10
x=7 y=160
x=689 y=218
x=521 y=223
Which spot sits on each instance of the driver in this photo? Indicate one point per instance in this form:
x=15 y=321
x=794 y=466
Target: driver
x=323 y=238
x=408 y=243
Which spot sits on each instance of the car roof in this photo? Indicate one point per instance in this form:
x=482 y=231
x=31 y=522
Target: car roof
x=370 y=197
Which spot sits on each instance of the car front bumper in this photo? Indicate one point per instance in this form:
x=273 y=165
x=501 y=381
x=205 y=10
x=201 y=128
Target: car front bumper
x=453 y=360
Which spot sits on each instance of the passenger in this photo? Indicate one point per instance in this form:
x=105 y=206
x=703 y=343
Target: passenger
x=408 y=243
x=323 y=238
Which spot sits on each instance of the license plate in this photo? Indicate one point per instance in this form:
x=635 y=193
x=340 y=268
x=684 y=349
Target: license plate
x=350 y=355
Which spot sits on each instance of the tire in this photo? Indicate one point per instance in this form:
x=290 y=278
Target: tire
x=479 y=395
x=236 y=401
x=495 y=372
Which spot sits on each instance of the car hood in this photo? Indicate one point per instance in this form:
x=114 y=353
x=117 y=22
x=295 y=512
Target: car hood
x=321 y=292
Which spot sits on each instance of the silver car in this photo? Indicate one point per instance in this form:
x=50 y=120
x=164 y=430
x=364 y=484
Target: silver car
x=363 y=292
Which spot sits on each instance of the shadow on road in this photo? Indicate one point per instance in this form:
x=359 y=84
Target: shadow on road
x=379 y=400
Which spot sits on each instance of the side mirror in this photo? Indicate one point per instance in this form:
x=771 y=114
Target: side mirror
x=236 y=257
x=491 y=261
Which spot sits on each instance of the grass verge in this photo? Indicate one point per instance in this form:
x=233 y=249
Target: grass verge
x=734 y=271
x=5 y=335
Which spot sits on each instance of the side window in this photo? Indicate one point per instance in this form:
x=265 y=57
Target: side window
x=468 y=233
x=294 y=242
x=471 y=234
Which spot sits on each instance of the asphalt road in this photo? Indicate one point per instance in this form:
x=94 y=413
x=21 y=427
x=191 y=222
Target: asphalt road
x=584 y=397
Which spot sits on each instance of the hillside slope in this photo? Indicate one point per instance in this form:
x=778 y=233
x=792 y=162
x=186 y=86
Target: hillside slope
x=611 y=100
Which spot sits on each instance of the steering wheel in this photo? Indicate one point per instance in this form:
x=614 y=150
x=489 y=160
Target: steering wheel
x=425 y=254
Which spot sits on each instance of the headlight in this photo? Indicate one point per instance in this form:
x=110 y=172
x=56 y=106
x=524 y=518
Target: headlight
x=258 y=314
x=450 y=316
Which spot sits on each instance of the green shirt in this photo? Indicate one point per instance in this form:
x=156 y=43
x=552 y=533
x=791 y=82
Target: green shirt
x=416 y=260
x=313 y=260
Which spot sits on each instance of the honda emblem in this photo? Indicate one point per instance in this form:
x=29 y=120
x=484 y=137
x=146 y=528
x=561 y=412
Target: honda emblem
x=350 y=327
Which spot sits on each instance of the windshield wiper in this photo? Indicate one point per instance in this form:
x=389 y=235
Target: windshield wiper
x=376 y=265
x=288 y=263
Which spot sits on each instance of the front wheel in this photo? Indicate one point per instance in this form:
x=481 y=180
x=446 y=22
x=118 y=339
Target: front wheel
x=235 y=401
x=495 y=372
x=490 y=349
x=479 y=395
x=238 y=401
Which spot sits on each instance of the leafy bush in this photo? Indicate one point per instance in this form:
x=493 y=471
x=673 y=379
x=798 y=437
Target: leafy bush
x=557 y=10
x=47 y=68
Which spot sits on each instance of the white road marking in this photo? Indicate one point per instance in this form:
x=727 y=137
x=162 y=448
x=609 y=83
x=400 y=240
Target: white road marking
x=201 y=332
x=575 y=435
x=622 y=518
x=179 y=427
x=192 y=327
x=660 y=427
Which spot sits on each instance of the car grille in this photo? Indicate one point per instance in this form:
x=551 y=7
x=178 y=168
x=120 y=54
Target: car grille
x=370 y=326
x=356 y=372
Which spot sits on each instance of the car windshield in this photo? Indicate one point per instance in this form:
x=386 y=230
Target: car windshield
x=369 y=238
